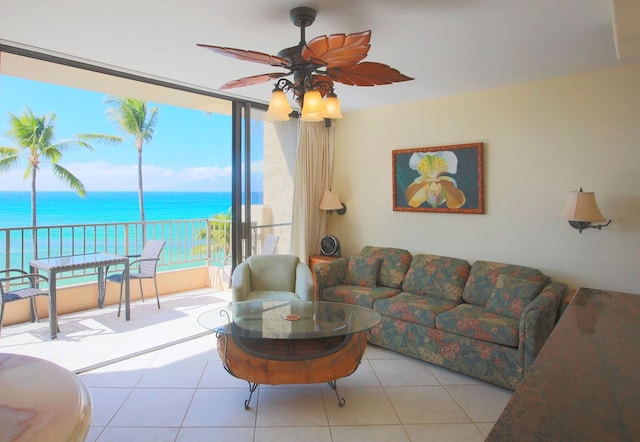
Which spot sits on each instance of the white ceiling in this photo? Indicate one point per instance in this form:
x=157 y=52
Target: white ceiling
x=448 y=46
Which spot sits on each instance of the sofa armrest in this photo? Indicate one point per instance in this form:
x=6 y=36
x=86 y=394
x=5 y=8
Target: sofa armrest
x=241 y=282
x=329 y=274
x=538 y=320
x=304 y=282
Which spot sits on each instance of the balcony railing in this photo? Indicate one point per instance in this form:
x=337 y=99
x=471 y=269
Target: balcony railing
x=190 y=243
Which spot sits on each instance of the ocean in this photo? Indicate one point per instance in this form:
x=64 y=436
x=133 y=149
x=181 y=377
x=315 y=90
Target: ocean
x=62 y=208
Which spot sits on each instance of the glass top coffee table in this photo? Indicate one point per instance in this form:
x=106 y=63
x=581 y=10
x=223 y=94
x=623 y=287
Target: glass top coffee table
x=290 y=342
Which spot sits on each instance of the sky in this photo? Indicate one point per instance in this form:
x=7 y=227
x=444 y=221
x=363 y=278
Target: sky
x=190 y=149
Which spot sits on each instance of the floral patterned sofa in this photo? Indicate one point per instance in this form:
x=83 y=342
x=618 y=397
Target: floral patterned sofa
x=488 y=320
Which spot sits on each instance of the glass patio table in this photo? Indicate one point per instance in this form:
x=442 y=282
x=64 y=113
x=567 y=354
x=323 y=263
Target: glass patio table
x=290 y=342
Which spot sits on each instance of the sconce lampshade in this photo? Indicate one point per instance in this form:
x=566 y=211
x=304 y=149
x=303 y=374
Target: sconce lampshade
x=279 y=107
x=581 y=210
x=582 y=206
x=331 y=203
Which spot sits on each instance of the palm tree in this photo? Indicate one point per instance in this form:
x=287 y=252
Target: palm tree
x=34 y=137
x=219 y=227
x=134 y=119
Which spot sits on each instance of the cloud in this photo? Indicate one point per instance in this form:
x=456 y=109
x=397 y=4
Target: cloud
x=104 y=176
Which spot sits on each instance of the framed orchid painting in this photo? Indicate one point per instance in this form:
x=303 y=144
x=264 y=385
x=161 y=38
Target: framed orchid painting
x=438 y=179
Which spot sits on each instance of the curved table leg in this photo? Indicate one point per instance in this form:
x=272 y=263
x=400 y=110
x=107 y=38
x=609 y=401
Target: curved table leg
x=252 y=388
x=334 y=387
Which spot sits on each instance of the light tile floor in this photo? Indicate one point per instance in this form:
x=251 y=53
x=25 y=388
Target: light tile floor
x=181 y=392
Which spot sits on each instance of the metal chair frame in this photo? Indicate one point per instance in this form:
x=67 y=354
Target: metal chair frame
x=147 y=264
x=31 y=292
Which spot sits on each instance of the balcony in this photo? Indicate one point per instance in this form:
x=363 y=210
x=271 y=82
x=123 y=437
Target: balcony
x=192 y=258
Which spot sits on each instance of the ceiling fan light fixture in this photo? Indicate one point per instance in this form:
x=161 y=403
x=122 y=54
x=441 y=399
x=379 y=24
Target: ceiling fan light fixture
x=333 y=106
x=279 y=107
x=313 y=107
x=315 y=66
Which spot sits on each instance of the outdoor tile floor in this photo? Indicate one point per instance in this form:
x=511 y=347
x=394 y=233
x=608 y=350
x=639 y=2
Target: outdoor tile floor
x=181 y=392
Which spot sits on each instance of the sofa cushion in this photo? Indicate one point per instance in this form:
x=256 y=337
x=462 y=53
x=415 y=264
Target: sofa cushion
x=362 y=270
x=474 y=322
x=357 y=294
x=484 y=276
x=511 y=295
x=394 y=265
x=409 y=307
x=438 y=276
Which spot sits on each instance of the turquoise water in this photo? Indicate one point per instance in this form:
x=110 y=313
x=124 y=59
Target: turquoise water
x=62 y=208
x=67 y=208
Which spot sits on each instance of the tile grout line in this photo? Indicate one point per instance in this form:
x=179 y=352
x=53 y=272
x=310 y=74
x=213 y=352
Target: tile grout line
x=142 y=352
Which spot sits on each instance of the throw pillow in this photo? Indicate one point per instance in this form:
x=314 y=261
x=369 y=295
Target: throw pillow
x=511 y=295
x=362 y=271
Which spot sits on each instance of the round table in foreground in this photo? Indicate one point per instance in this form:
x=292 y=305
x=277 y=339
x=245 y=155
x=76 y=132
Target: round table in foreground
x=41 y=401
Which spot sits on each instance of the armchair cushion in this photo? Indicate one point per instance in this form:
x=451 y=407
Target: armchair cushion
x=275 y=277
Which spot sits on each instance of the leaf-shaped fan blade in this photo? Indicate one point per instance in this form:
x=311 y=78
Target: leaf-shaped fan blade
x=257 y=57
x=367 y=74
x=255 y=79
x=337 y=50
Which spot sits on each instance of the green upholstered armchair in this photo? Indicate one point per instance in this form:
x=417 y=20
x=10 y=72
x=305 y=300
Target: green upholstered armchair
x=272 y=277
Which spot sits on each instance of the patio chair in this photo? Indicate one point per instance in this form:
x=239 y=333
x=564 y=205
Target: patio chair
x=22 y=285
x=142 y=268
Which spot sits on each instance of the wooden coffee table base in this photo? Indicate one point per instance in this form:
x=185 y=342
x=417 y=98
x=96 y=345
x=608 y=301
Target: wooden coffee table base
x=292 y=361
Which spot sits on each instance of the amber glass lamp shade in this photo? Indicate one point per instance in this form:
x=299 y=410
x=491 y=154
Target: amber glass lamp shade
x=333 y=106
x=279 y=107
x=313 y=108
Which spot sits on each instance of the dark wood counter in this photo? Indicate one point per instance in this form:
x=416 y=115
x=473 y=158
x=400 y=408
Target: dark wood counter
x=585 y=383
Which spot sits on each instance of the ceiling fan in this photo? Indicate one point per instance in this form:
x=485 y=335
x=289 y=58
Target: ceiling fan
x=315 y=67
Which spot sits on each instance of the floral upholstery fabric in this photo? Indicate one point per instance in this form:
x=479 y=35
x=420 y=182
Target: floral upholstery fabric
x=418 y=309
x=484 y=276
x=465 y=337
x=538 y=320
x=394 y=265
x=498 y=364
x=356 y=294
x=362 y=271
x=474 y=322
x=438 y=276
x=329 y=274
x=512 y=295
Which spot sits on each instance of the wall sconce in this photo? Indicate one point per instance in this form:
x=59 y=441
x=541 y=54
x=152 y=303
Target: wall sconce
x=331 y=203
x=581 y=210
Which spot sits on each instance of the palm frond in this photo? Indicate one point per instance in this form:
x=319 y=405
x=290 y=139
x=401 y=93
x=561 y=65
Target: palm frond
x=108 y=139
x=69 y=178
x=8 y=162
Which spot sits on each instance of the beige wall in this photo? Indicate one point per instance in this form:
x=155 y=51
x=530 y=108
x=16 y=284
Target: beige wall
x=541 y=140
